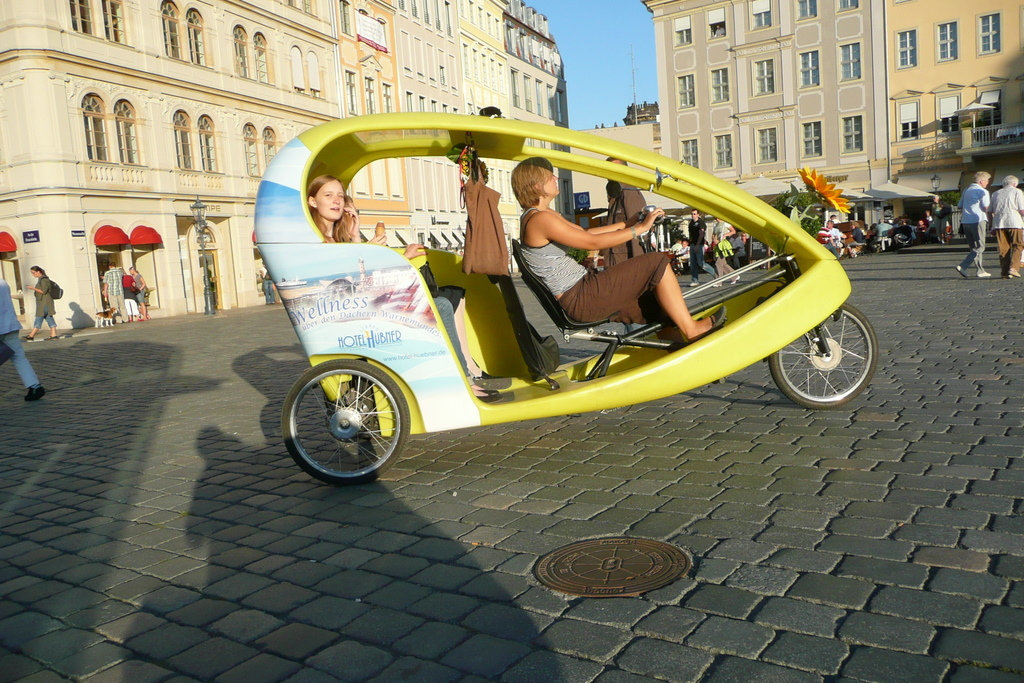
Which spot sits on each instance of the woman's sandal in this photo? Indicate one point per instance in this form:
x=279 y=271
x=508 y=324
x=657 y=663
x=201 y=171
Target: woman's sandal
x=488 y=395
x=30 y=338
x=717 y=320
x=483 y=375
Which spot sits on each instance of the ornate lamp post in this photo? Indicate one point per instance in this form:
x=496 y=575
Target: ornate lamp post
x=936 y=181
x=203 y=234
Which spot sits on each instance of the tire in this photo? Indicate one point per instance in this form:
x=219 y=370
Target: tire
x=352 y=438
x=901 y=239
x=824 y=382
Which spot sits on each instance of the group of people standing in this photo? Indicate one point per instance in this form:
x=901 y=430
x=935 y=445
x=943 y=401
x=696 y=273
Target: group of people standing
x=726 y=244
x=1000 y=214
x=125 y=293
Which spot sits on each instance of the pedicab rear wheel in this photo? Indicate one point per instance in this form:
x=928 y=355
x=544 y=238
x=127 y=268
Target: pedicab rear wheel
x=345 y=422
x=813 y=379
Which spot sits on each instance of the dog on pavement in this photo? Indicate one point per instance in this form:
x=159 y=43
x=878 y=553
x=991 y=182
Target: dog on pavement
x=105 y=318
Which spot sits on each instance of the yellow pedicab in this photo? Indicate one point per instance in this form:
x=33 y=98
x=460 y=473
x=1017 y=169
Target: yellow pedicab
x=383 y=367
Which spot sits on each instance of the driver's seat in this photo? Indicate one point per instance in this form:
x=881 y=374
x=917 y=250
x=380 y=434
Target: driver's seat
x=546 y=298
x=637 y=337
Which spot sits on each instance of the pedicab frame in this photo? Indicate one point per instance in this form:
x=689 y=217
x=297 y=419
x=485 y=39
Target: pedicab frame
x=417 y=377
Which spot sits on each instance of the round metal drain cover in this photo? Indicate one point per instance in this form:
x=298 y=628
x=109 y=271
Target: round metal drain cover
x=610 y=567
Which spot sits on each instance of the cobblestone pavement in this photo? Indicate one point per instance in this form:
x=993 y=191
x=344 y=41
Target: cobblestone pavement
x=152 y=526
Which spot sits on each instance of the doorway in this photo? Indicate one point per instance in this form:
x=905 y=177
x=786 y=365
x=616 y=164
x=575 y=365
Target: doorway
x=10 y=273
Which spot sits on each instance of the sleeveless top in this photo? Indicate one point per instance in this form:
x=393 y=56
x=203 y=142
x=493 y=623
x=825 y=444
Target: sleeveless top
x=556 y=269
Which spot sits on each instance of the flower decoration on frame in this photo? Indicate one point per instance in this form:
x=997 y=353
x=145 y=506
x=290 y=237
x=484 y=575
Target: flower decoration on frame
x=828 y=194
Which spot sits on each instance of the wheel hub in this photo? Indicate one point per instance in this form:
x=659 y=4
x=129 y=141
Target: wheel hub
x=830 y=360
x=345 y=423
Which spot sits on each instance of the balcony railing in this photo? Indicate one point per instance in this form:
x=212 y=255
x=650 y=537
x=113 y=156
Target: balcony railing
x=114 y=174
x=999 y=134
x=191 y=181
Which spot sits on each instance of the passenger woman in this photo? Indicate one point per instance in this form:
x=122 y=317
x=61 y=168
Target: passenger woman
x=614 y=292
x=335 y=215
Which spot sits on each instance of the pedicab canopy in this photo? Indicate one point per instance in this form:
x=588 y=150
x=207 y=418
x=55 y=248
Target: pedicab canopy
x=401 y=332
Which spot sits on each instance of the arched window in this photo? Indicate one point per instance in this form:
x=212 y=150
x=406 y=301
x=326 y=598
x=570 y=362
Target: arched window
x=196 y=47
x=81 y=16
x=183 y=140
x=172 y=37
x=252 y=162
x=259 y=51
x=95 y=135
x=313 y=71
x=269 y=145
x=298 y=75
x=207 y=151
x=127 y=138
x=241 y=52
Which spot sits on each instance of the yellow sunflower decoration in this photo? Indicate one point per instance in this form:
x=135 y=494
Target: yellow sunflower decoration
x=828 y=193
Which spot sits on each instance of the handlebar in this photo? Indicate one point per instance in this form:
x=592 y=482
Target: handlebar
x=646 y=210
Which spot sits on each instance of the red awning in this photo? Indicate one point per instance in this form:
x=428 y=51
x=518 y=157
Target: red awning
x=254 y=237
x=145 y=235
x=7 y=242
x=108 y=235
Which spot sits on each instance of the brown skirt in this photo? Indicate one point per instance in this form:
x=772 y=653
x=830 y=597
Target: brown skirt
x=618 y=292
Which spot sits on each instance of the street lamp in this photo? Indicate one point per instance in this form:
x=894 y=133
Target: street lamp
x=936 y=180
x=202 y=234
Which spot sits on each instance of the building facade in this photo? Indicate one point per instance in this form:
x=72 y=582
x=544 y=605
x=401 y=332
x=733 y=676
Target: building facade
x=116 y=116
x=956 y=82
x=864 y=91
x=369 y=73
x=764 y=87
x=430 y=80
x=485 y=69
x=536 y=80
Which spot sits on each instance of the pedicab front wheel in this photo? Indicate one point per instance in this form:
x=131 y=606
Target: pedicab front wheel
x=830 y=365
x=345 y=421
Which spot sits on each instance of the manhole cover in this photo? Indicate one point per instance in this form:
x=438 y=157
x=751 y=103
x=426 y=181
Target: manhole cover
x=609 y=567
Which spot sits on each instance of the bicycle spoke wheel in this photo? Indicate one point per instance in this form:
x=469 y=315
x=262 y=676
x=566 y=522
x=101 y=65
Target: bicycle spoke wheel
x=814 y=379
x=344 y=422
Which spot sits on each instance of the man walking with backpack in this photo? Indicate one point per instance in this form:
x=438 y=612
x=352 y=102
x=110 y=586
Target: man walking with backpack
x=46 y=291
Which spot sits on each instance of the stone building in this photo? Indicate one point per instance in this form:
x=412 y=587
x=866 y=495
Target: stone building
x=116 y=116
x=536 y=78
x=764 y=87
x=955 y=92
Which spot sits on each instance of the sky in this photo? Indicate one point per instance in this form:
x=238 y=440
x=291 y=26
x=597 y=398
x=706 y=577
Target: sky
x=594 y=38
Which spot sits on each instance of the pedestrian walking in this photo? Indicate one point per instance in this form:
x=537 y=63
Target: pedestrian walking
x=975 y=205
x=113 y=289
x=44 y=304
x=721 y=247
x=1007 y=212
x=10 y=329
x=267 y=283
x=697 y=232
